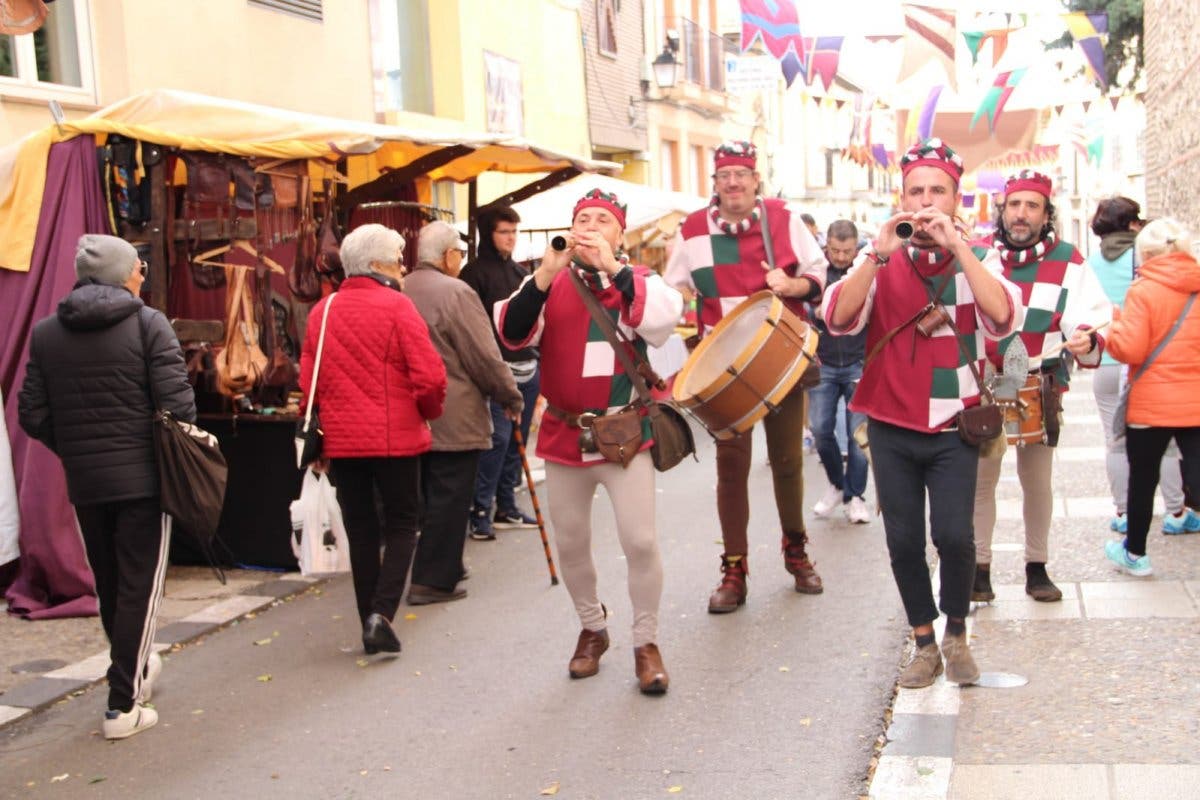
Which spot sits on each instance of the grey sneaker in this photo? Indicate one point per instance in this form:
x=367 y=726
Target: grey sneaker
x=924 y=668
x=960 y=665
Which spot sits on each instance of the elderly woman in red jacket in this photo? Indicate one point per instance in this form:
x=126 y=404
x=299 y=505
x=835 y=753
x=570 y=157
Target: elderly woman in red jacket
x=380 y=382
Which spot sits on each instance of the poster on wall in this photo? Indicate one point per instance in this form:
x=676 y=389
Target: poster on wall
x=502 y=82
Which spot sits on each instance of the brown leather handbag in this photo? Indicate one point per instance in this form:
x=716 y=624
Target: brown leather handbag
x=241 y=362
x=618 y=436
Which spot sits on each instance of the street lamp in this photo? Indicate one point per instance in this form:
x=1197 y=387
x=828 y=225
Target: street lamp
x=665 y=68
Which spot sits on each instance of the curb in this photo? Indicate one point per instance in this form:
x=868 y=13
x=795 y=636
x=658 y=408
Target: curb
x=28 y=698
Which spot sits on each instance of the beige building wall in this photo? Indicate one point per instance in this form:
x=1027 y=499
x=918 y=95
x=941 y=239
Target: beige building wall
x=1172 y=52
x=226 y=48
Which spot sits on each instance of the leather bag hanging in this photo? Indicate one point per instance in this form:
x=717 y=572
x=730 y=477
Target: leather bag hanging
x=673 y=440
x=241 y=362
x=304 y=280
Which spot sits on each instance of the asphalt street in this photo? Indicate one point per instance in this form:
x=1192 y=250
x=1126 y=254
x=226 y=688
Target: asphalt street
x=782 y=699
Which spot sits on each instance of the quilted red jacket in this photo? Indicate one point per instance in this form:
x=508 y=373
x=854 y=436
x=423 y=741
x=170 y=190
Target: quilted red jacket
x=380 y=378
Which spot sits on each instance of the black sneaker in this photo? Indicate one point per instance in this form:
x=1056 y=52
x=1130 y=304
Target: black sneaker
x=508 y=520
x=982 y=592
x=481 y=526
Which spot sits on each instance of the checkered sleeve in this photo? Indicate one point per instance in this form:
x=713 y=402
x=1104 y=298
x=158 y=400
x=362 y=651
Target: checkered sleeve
x=500 y=311
x=655 y=309
x=1087 y=308
x=678 y=272
x=859 y=323
x=1016 y=308
x=811 y=261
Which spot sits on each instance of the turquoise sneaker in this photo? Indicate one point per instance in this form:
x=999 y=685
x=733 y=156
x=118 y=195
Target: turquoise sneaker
x=1119 y=524
x=1186 y=521
x=1116 y=553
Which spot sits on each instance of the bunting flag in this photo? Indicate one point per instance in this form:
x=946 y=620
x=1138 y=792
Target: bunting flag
x=880 y=154
x=1058 y=110
x=929 y=35
x=775 y=24
x=920 y=125
x=1088 y=139
x=1037 y=156
x=974 y=40
x=997 y=95
x=823 y=59
x=1089 y=32
x=999 y=43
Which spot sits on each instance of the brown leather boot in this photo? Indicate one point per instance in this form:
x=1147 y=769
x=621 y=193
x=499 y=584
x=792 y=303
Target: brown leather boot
x=796 y=561
x=586 y=661
x=648 y=666
x=731 y=592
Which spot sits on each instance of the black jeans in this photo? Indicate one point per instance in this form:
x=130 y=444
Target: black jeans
x=1144 y=447
x=447 y=484
x=127 y=544
x=907 y=465
x=378 y=586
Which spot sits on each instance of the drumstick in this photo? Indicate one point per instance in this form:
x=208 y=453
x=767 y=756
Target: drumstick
x=1058 y=348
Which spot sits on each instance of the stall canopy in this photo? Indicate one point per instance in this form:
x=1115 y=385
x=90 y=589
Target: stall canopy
x=199 y=122
x=653 y=213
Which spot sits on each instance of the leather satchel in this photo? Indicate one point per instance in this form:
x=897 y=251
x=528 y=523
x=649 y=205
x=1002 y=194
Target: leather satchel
x=673 y=440
x=241 y=362
x=618 y=436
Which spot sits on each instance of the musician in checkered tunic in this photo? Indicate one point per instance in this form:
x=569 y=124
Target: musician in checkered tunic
x=720 y=253
x=917 y=378
x=1063 y=301
x=581 y=378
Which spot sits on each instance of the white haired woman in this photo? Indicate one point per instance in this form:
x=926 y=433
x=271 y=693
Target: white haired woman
x=380 y=383
x=1158 y=335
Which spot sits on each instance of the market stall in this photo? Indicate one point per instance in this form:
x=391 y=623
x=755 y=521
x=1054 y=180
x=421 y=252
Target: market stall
x=237 y=208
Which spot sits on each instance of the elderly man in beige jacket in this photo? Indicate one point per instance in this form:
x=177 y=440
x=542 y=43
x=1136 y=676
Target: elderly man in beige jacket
x=463 y=337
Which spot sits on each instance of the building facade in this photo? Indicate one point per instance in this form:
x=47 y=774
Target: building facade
x=1172 y=126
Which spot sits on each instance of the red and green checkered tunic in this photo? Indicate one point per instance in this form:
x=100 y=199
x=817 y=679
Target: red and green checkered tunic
x=914 y=382
x=1061 y=294
x=725 y=270
x=580 y=369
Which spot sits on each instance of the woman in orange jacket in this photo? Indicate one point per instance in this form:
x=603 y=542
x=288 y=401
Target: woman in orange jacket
x=1164 y=400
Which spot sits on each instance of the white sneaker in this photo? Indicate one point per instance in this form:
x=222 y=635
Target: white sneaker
x=831 y=500
x=118 y=725
x=857 y=511
x=154 y=667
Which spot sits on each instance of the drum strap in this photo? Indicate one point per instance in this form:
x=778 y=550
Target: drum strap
x=765 y=226
x=640 y=373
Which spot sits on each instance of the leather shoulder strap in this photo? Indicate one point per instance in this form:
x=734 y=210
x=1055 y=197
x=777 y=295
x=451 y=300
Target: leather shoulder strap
x=1163 y=344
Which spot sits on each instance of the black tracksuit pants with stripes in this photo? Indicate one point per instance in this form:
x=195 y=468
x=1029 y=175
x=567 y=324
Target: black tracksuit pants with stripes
x=127 y=544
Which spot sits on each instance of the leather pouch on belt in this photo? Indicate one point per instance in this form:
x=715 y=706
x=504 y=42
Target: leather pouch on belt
x=618 y=436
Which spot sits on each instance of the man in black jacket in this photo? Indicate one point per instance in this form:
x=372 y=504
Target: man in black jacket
x=97 y=369
x=841 y=368
x=495 y=276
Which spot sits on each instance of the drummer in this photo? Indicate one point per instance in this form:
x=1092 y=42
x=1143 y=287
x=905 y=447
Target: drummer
x=914 y=387
x=582 y=379
x=1063 y=300
x=719 y=252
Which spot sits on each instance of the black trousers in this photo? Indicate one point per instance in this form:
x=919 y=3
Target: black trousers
x=447 y=486
x=379 y=582
x=908 y=465
x=127 y=543
x=1142 y=445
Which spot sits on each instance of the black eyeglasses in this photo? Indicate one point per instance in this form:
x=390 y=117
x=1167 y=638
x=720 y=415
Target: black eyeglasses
x=143 y=267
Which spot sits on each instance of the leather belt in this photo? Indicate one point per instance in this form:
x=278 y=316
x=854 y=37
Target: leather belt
x=583 y=420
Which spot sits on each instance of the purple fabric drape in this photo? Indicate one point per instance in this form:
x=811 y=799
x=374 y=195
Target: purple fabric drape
x=53 y=578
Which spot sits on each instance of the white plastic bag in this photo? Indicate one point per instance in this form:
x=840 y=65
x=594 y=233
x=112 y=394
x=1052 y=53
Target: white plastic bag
x=318 y=534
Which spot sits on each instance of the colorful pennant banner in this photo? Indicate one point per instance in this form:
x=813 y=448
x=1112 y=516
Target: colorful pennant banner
x=997 y=95
x=1089 y=32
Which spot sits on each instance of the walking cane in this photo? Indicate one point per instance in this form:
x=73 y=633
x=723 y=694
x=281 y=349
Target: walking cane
x=537 y=510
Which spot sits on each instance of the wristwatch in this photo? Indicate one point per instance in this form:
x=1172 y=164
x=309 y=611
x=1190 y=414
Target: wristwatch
x=878 y=259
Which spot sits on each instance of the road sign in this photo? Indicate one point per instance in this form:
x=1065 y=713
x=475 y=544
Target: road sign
x=745 y=74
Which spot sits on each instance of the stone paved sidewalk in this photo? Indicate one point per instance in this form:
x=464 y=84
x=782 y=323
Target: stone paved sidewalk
x=1113 y=670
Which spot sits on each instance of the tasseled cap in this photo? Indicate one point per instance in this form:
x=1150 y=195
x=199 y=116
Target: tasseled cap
x=735 y=154
x=1028 y=180
x=933 y=153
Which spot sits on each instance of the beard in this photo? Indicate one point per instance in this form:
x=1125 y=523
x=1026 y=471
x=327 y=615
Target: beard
x=1019 y=239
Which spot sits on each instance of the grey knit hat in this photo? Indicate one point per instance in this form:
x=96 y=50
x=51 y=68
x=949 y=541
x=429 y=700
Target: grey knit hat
x=107 y=259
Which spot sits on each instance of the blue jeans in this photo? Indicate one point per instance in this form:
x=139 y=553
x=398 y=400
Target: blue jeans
x=500 y=469
x=837 y=384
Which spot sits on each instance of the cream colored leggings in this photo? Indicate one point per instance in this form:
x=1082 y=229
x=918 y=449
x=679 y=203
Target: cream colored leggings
x=631 y=492
x=1034 y=462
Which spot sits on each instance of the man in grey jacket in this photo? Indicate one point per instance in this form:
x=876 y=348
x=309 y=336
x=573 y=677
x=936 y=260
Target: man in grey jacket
x=463 y=337
x=96 y=369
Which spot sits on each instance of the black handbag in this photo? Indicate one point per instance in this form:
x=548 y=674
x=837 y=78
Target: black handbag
x=673 y=440
x=192 y=472
x=309 y=436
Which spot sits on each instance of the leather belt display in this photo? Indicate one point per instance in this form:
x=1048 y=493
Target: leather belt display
x=583 y=420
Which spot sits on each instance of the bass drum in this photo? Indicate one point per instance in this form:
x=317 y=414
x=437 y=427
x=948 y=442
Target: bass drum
x=746 y=365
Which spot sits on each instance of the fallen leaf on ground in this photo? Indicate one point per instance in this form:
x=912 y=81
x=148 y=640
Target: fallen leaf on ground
x=274 y=776
x=806 y=721
x=675 y=790
x=387 y=769
x=362 y=662
x=264 y=678
x=923 y=771
x=60 y=778
x=417 y=673
x=251 y=615
x=410 y=617
x=198 y=711
x=551 y=789
x=261 y=642
x=336 y=616
x=97 y=779
x=362 y=772
x=784 y=669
